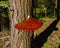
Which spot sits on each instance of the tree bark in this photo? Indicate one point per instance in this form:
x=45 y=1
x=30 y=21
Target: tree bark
x=19 y=10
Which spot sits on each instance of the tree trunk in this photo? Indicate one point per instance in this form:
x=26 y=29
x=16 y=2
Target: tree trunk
x=19 y=10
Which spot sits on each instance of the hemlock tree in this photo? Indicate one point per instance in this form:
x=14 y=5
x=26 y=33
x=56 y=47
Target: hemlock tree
x=19 y=10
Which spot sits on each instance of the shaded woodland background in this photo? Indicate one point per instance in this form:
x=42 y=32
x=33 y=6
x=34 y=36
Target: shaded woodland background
x=44 y=10
x=41 y=8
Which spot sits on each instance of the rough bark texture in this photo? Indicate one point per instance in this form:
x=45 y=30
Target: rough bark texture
x=19 y=10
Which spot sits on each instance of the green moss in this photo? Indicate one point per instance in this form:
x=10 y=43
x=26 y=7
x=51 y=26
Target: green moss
x=45 y=19
x=58 y=41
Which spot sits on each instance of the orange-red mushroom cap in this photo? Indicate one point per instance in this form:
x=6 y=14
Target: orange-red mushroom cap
x=29 y=24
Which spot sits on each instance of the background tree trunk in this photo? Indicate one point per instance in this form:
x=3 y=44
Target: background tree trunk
x=19 y=10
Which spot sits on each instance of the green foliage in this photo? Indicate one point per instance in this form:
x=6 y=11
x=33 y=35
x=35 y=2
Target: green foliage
x=44 y=8
x=4 y=3
x=4 y=20
x=3 y=0
x=47 y=45
x=39 y=3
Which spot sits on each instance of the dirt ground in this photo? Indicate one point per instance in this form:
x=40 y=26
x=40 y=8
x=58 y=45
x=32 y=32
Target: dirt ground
x=53 y=39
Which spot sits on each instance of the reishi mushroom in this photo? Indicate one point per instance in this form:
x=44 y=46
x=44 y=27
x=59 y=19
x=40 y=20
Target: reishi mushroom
x=30 y=24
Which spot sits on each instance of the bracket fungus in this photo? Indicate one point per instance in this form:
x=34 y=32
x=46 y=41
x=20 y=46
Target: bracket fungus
x=30 y=24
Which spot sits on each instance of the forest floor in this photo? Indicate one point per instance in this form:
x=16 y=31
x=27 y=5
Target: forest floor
x=53 y=40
